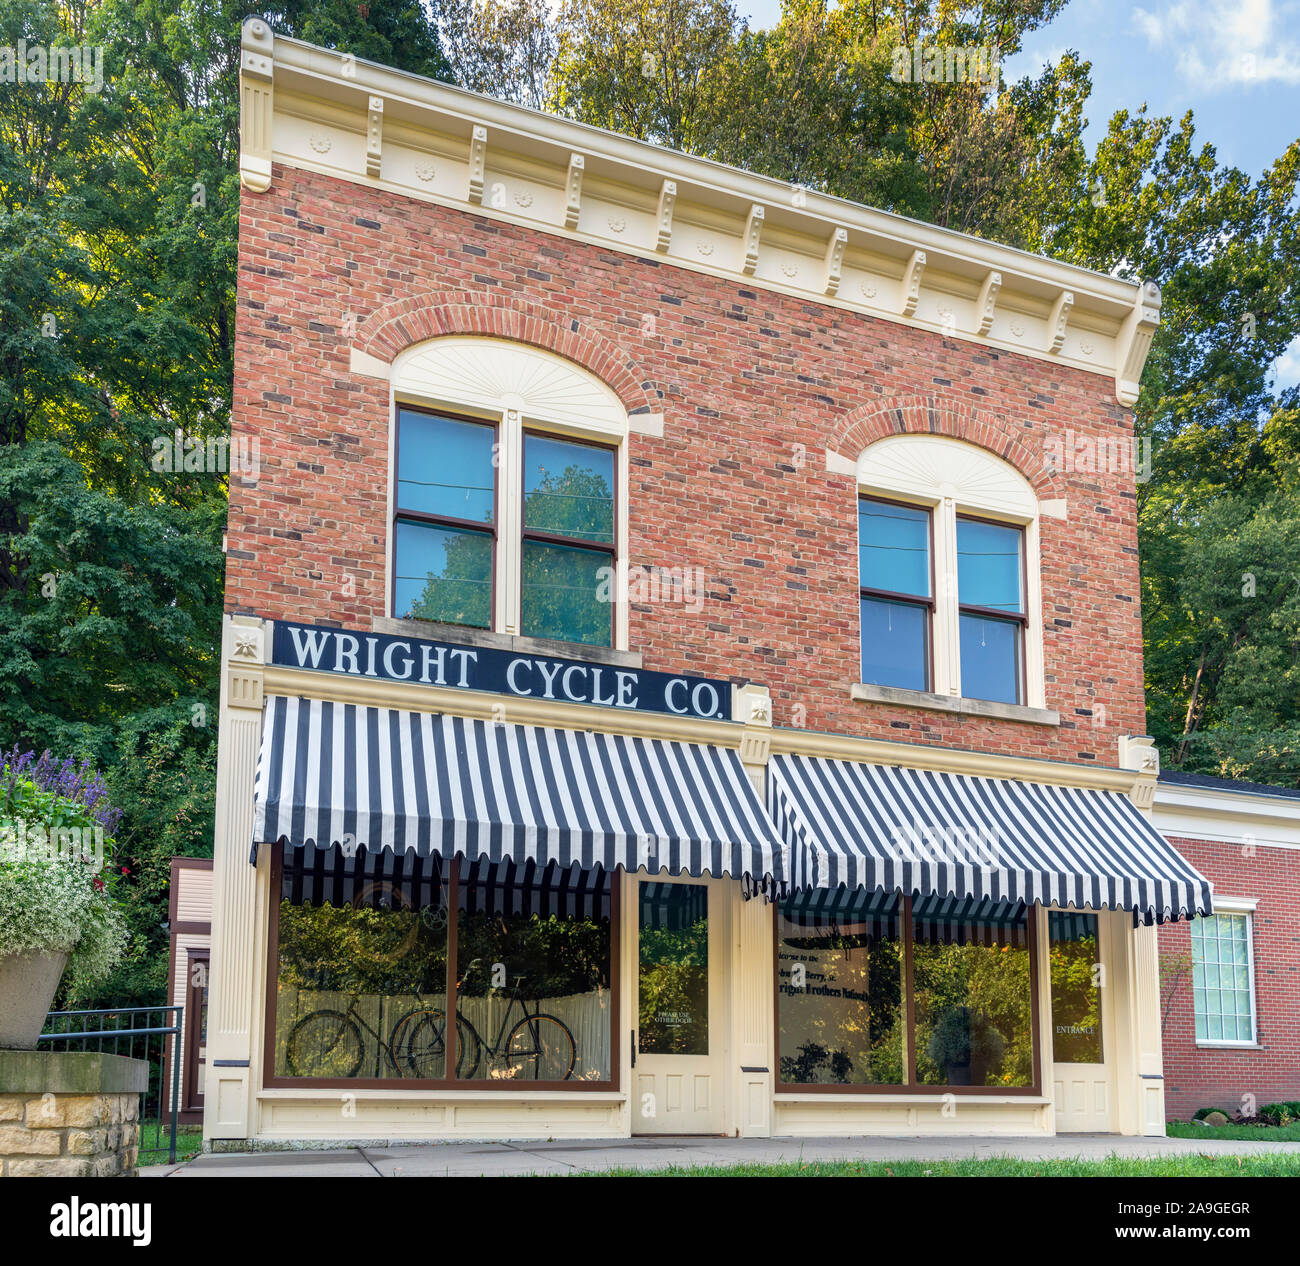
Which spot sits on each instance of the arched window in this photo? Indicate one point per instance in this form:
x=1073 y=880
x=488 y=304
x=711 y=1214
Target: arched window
x=948 y=572
x=507 y=505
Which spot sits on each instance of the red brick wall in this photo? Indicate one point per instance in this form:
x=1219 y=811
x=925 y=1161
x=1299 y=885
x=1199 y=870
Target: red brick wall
x=1200 y=1077
x=754 y=387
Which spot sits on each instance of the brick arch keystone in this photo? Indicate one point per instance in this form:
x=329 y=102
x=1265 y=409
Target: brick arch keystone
x=938 y=415
x=396 y=326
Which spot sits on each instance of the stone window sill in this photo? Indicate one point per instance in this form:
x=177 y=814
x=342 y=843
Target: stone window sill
x=1211 y=1044
x=866 y=693
x=462 y=636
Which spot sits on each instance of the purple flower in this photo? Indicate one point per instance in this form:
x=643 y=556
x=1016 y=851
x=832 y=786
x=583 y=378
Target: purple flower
x=78 y=783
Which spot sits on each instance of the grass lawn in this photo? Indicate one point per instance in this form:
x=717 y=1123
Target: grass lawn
x=189 y=1142
x=1275 y=1166
x=1259 y=1133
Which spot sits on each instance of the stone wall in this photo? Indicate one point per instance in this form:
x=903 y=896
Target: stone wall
x=69 y=1114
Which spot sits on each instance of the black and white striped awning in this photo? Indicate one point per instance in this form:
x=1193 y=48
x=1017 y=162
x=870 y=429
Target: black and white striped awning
x=336 y=774
x=927 y=833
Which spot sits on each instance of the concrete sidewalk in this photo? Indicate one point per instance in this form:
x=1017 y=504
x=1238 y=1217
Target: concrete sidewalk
x=580 y=1156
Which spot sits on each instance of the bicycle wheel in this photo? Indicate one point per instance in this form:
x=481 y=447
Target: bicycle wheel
x=540 y=1048
x=419 y=1040
x=324 y=1044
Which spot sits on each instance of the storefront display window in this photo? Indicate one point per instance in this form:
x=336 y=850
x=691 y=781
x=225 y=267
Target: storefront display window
x=362 y=959
x=877 y=991
x=840 y=981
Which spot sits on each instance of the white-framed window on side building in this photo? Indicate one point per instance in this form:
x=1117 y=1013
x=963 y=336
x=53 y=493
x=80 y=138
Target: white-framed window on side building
x=1223 y=974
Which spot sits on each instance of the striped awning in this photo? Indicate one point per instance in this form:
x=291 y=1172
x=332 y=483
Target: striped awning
x=337 y=774
x=927 y=833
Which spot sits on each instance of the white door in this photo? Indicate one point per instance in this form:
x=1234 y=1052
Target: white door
x=1080 y=1026
x=680 y=963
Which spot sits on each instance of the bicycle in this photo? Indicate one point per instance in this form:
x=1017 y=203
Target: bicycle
x=539 y=1047
x=329 y=1043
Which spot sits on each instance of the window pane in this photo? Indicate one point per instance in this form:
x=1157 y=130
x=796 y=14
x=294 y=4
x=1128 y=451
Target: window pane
x=673 y=974
x=443 y=574
x=990 y=659
x=568 y=489
x=893 y=548
x=444 y=467
x=567 y=593
x=973 y=1009
x=840 y=990
x=361 y=984
x=989 y=572
x=895 y=644
x=533 y=962
x=1076 y=998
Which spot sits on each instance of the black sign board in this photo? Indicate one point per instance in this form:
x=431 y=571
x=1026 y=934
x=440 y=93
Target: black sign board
x=387 y=657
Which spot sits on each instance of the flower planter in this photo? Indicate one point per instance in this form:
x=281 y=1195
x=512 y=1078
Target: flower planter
x=27 y=985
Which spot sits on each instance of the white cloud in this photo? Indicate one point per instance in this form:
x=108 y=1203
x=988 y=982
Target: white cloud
x=1287 y=367
x=1226 y=43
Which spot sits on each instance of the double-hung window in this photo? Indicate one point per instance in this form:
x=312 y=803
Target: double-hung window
x=991 y=602
x=464 y=555
x=969 y=628
x=896 y=592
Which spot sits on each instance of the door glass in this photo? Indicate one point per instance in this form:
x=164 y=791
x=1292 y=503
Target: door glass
x=1076 y=993
x=674 y=969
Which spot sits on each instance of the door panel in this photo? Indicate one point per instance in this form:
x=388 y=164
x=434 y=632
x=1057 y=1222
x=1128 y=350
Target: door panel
x=1080 y=1023
x=681 y=971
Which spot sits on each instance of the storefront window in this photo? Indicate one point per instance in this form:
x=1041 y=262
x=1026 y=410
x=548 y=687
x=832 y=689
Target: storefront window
x=673 y=926
x=362 y=949
x=972 y=992
x=840 y=989
x=362 y=974
x=1075 y=961
x=533 y=1001
x=869 y=984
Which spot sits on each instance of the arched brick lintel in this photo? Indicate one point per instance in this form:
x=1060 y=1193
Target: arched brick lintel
x=936 y=415
x=398 y=325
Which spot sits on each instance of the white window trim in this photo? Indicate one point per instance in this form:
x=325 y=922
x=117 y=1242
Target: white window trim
x=954 y=479
x=518 y=387
x=1244 y=906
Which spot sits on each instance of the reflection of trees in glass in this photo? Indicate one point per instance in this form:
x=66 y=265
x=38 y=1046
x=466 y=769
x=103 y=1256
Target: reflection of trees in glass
x=854 y=1033
x=1076 y=1001
x=674 y=990
x=461 y=593
x=560 y=585
x=985 y=991
x=345 y=950
x=554 y=957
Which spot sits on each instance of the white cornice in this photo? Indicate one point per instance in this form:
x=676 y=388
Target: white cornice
x=1208 y=813
x=327 y=112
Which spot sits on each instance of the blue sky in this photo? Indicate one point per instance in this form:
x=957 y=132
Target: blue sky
x=1234 y=63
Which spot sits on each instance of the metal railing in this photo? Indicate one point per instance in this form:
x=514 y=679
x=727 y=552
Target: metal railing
x=138 y=1033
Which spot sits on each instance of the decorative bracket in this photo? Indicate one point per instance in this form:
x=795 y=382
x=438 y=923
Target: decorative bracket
x=664 y=219
x=834 y=259
x=374 y=137
x=988 y=302
x=911 y=290
x=1057 y=322
x=753 y=232
x=256 y=104
x=477 y=163
x=573 y=191
x=1134 y=342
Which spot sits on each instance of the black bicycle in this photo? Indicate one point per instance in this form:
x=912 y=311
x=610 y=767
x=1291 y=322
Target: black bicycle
x=539 y=1047
x=329 y=1043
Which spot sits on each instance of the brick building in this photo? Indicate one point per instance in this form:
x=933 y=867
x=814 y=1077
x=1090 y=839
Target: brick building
x=681 y=626
x=1231 y=983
